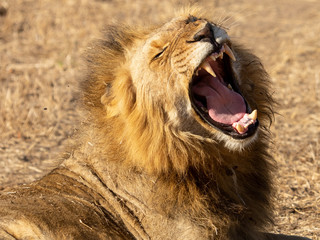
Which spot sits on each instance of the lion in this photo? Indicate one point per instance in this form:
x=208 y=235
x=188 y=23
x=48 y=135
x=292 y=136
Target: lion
x=174 y=145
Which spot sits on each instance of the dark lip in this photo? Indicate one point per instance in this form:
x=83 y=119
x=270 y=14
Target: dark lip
x=225 y=128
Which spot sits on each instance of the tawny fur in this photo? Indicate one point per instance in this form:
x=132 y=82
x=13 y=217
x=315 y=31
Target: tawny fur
x=145 y=166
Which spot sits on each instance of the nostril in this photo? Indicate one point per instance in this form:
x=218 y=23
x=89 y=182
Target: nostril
x=191 y=19
x=205 y=34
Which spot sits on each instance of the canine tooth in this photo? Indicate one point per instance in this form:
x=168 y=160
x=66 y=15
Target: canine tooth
x=197 y=72
x=253 y=115
x=229 y=52
x=240 y=128
x=222 y=50
x=229 y=86
x=206 y=66
x=213 y=57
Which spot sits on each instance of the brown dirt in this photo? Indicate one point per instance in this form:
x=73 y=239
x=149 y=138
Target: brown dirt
x=41 y=42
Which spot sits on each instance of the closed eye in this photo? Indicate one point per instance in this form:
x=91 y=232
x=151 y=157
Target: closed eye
x=159 y=54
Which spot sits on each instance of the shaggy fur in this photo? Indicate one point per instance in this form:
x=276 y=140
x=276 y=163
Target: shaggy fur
x=145 y=165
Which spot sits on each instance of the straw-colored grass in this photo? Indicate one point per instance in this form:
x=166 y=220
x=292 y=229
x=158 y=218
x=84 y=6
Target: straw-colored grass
x=41 y=42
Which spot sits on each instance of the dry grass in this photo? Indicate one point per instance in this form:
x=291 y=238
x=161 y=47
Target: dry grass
x=40 y=60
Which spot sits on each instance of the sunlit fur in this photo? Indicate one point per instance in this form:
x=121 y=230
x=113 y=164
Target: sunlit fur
x=144 y=164
x=146 y=103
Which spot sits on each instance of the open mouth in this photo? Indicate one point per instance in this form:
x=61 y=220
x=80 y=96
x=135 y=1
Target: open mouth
x=215 y=96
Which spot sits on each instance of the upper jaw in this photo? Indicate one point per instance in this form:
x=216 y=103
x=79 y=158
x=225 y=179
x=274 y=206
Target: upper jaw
x=213 y=56
x=216 y=72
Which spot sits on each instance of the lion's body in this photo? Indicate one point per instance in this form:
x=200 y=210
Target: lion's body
x=74 y=202
x=145 y=165
x=57 y=207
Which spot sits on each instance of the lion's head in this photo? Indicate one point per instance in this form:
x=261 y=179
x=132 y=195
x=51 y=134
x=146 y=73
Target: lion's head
x=174 y=90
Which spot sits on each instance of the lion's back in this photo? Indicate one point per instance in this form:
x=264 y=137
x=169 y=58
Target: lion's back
x=44 y=210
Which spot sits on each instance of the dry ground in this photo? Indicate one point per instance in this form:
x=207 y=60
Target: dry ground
x=41 y=42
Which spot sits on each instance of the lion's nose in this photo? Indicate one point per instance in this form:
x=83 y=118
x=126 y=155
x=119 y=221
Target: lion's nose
x=205 y=34
x=211 y=33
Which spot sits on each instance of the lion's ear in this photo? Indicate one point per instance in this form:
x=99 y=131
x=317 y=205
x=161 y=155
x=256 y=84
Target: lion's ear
x=120 y=96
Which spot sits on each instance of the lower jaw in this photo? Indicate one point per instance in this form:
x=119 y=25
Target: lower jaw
x=228 y=130
x=236 y=144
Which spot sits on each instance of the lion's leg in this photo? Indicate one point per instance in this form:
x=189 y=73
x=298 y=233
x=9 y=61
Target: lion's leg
x=271 y=236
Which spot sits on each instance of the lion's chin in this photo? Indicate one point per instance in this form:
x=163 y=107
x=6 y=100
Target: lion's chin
x=236 y=144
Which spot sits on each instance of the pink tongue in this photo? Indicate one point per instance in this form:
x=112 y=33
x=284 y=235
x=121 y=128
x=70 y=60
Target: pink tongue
x=224 y=105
